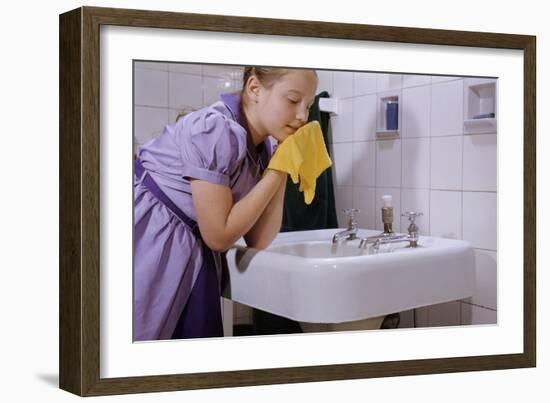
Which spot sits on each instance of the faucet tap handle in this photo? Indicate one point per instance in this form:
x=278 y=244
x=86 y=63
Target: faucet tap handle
x=413 y=228
x=350 y=212
x=412 y=215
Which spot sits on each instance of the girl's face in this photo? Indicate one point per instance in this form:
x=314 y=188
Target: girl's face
x=284 y=107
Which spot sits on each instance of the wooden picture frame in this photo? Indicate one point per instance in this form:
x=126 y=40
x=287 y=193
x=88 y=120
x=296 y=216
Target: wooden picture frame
x=79 y=280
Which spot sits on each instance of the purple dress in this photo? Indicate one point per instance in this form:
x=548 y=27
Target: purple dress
x=210 y=144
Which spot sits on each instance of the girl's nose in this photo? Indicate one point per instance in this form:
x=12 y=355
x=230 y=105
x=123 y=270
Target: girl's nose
x=302 y=115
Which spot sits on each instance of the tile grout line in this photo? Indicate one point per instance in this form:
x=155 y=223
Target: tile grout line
x=430 y=113
x=463 y=301
x=462 y=165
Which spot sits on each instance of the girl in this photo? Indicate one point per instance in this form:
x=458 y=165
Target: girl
x=199 y=188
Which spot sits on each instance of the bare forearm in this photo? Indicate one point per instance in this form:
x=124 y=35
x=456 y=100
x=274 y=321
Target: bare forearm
x=220 y=221
x=269 y=224
x=253 y=207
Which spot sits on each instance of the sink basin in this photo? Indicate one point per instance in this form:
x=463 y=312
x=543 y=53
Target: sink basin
x=304 y=277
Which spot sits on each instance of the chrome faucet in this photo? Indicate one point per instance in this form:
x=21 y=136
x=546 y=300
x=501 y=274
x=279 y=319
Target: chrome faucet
x=387 y=238
x=413 y=228
x=349 y=233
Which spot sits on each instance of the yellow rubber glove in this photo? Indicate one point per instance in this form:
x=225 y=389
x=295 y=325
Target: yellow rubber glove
x=304 y=156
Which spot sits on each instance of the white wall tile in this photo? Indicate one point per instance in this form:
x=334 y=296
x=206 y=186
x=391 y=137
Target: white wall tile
x=446 y=110
x=135 y=145
x=480 y=162
x=396 y=202
x=388 y=163
x=188 y=68
x=185 y=91
x=364 y=163
x=419 y=201
x=421 y=316
x=330 y=136
x=412 y=80
x=342 y=124
x=241 y=314
x=238 y=85
x=416 y=163
x=343 y=84
x=441 y=79
x=415 y=112
x=342 y=158
x=343 y=198
x=406 y=319
x=364 y=83
x=446 y=314
x=480 y=219
x=227 y=316
x=173 y=114
x=446 y=214
x=213 y=87
x=161 y=66
x=150 y=88
x=221 y=71
x=465 y=313
x=385 y=82
x=485 y=293
x=364 y=200
x=364 y=118
x=149 y=122
x=325 y=81
x=446 y=163
x=474 y=315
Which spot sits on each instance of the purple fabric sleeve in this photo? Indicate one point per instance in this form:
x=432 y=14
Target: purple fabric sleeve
x=212 y=146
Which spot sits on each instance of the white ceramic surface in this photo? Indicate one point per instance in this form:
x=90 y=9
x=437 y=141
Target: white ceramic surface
x=302 y=276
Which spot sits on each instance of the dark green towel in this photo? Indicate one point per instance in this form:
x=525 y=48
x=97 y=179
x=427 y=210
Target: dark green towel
x=321 y=213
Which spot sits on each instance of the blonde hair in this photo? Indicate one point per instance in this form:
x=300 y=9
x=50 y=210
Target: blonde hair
x=267 y=77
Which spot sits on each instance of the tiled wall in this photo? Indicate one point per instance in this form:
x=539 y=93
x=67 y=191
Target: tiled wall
x=433 y=167
x=163 y=90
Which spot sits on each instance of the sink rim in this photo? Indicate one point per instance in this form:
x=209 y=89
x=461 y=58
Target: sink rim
x=298 y=266
x=430 y=246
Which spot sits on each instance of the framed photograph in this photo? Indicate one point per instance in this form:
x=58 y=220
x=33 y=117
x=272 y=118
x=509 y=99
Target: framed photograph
x=414 y=121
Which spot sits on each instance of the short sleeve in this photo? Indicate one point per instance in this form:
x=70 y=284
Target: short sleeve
x=213 y=146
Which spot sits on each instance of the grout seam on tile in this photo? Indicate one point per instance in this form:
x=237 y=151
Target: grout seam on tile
x=462 y=301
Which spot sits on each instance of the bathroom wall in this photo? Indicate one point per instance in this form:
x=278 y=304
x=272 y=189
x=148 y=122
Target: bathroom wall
x=433 y=167
x=163 y=90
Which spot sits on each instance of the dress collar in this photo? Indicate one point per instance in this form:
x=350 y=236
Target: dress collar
x=232 y=101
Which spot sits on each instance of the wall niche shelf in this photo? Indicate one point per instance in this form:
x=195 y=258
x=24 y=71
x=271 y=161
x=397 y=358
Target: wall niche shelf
x=387 y=134
x=386 y=129
x=480 y=97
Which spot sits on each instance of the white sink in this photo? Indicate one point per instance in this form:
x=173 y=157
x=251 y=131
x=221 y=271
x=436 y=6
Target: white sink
x=303 y=276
